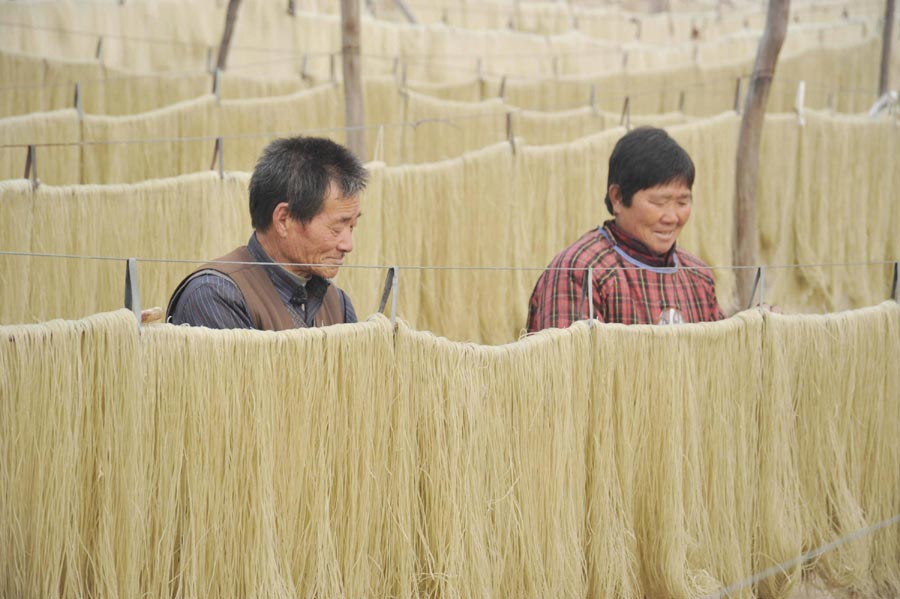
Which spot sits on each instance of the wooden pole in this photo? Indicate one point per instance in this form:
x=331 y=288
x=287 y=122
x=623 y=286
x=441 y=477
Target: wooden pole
x=354 y=108
x=746 y=236
x=225 y=44
x=884 y=79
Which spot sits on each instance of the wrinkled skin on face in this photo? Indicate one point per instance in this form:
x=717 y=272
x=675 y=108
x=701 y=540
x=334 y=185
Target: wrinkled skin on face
x=323 y=241
x=656 y=215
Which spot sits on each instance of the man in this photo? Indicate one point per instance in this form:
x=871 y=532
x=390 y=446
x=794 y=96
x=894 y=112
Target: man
x=304 y=205
x=638 y=275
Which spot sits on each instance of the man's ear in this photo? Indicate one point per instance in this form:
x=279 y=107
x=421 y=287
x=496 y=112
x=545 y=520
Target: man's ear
x=615 y=197
x=280 y=217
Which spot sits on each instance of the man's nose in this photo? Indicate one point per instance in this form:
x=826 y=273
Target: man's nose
x=345 y=241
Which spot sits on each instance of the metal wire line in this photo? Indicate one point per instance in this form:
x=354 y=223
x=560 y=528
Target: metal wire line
x=207 y=138
x=800 y=559
x=434 y=267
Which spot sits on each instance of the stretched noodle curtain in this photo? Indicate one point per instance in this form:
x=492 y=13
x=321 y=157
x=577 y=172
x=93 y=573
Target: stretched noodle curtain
x=367 y=460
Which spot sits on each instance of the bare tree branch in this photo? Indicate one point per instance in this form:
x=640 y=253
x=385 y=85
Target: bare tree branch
x=225 y=44
x=354 y=107
x=884 y=79
x=746 y=236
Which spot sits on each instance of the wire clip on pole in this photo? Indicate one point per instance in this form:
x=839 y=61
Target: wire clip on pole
x=626 y=114
x=759 y=284
x=737 y=95
x=132 y=294
x=390 y=288
x=219 y=156
x=378 y=151
x=304 y=68
x=510 y=132
x=895 y=286
x=587 y=291
x=762 y=286
x=31 y=167
x=79 y=105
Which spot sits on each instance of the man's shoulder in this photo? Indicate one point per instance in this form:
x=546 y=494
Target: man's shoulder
x=205 y=286
x=208 y=279
x=590 y=250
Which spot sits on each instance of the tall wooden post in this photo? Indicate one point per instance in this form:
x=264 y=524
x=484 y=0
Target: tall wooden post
x=884 y=80
x=225 y=44
x=746 y=235
x=354 y=107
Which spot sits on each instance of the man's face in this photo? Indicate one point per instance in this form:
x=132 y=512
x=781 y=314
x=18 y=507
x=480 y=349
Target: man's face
x=325 y=239
x=656 y=215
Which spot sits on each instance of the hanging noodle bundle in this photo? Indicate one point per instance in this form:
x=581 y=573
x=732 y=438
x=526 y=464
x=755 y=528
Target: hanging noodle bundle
x=73 y=458
x=363 y=460
x=831 y=367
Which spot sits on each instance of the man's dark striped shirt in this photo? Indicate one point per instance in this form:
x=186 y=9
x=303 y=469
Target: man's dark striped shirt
x=213 y=300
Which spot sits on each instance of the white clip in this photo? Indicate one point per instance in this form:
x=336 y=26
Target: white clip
x=798 y=103
x=886 y=101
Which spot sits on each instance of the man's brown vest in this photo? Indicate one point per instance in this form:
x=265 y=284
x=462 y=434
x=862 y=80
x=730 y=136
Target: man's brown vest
x=265 y=305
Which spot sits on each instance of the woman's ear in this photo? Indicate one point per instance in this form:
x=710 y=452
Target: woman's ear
x=615 y=197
